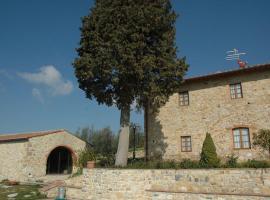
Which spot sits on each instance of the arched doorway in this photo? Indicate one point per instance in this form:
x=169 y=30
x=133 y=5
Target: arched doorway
x=59 y=161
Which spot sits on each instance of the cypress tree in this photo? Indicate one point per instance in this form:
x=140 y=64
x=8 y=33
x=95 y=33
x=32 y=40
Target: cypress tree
x=127 y=53
x=209 y=156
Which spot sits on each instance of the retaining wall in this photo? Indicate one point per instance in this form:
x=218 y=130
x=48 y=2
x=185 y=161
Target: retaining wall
x=231 y=184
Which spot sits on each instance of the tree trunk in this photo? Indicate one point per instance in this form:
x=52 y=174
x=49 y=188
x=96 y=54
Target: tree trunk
x=146 y=131
x=123 y=144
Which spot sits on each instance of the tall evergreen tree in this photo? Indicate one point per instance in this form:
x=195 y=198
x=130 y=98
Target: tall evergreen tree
x=209 y=156
x=127 y=53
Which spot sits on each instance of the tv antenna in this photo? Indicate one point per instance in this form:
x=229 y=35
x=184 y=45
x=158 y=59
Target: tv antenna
x=235 y=55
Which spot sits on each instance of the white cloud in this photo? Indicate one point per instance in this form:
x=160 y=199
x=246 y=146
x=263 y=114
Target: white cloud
x=4 y=73
x=50 y=77
x=37 y=94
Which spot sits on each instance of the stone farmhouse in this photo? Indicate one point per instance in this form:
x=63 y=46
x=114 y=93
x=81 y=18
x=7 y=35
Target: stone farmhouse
x=31 y=156
x=230 y=105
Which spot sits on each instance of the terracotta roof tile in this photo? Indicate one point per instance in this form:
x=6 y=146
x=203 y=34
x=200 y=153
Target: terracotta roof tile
x=22 y=136
x=248 y=69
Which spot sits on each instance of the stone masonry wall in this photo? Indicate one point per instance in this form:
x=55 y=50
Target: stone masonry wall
x=27 y=160
x=212 y=110
x=39 y=148
x=222 y=184
x=12 y=159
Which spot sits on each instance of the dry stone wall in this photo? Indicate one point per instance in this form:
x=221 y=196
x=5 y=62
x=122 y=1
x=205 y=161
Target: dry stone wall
x=212 y=110
x=12 y=159
x=183 y=196
x=26 y=160
x=39 y=148
x=222 y=184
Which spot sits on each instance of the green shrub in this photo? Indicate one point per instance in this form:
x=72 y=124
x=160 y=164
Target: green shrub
x=156 y=164
x=140 y=164
x=77 y=173
x=189 y=164
x=231 y=161
x=262 y=139
x=107 y=161
x=167 y=165
x=209 y=157
x=83 y=156
x=255 y=164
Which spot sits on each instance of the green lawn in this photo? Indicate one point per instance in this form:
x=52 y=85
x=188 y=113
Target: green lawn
x=24 y=192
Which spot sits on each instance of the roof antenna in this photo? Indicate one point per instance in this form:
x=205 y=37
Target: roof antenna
x=235 y=55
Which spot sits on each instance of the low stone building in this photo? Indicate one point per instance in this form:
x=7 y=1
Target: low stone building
x=30 y=156
x=231 y=106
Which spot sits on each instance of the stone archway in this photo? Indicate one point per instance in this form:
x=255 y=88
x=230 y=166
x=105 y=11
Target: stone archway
x=60 y=161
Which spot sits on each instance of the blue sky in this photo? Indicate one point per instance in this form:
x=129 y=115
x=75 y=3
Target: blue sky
x=38 y=90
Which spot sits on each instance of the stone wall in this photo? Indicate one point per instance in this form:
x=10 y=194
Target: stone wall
x=229 y=184
x=39 y=148
x=212 y=110
x=12 y=159
x=26 y=160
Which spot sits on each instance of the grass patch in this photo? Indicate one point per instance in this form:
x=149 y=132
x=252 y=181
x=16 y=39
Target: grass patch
x=137 y=149
x=24 y=192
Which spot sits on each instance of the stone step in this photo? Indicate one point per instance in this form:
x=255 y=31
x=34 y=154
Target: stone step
x=51 y=185
x=73 y=188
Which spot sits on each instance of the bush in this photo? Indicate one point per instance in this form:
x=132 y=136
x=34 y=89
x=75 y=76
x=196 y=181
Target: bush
x=255 y=164
x=262 y=139
x=209 y=157
x=167 y=165
x=85 y=155
x=231 y=161
x=189 y=164
x=158 y=164
x=140 y=164
x=107 y=161
x=184 y=164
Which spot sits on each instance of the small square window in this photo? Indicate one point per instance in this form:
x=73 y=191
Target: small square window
x=236 y=91
x=186 y=143
x=184 y=98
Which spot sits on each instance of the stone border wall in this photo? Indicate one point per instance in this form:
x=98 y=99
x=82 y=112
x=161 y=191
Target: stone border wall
x=117 y=184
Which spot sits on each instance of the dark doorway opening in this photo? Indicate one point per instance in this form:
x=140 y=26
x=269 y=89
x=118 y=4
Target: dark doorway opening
x=59 y=161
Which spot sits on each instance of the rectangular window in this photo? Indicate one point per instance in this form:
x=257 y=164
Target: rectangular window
x=184 y=98
x=241 y=138
x=186 y=143
x=236 y=91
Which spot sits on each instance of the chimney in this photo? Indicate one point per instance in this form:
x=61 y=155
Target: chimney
x=242 y=64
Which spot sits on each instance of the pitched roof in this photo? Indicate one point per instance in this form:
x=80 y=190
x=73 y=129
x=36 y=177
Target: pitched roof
x=239 y=71
x=24 y=136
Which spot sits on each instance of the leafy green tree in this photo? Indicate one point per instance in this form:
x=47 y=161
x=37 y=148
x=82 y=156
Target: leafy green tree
x=262 y=139
x=127 y=54
x=85 y=155
x=139 y=136
x=209 y=156
x=103 y=141
x=85 y=134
